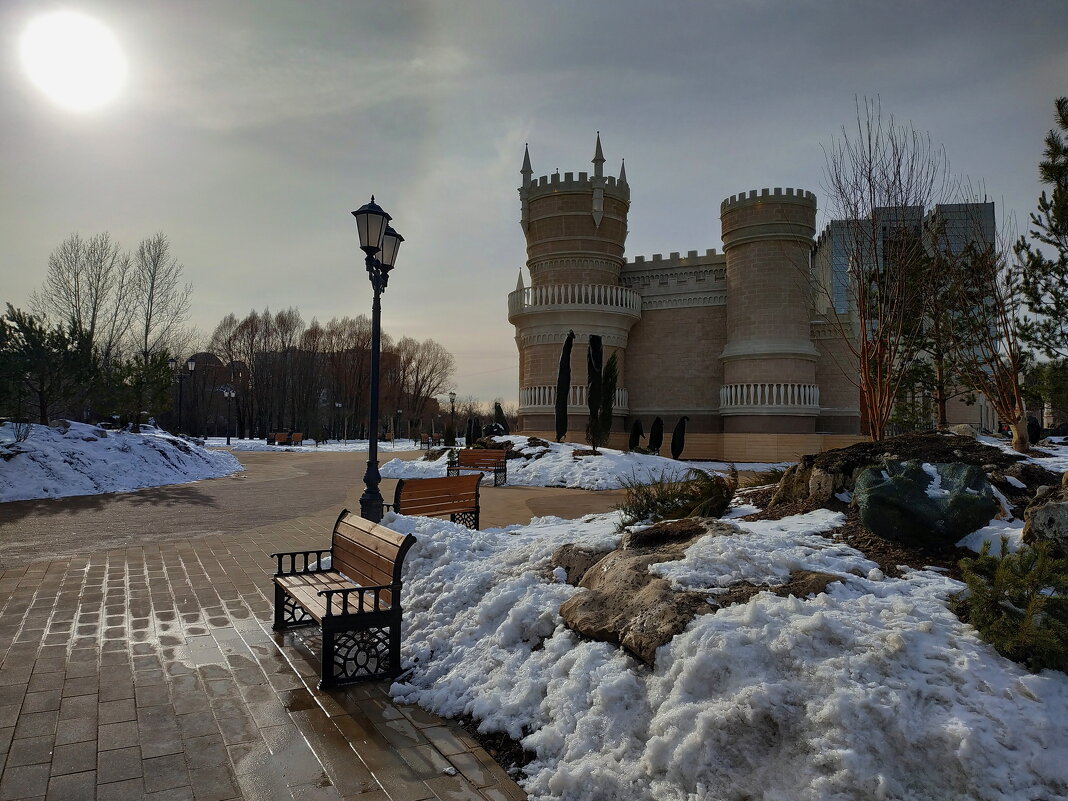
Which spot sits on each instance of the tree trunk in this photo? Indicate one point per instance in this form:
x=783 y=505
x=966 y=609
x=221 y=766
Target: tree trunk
x=1019 y=436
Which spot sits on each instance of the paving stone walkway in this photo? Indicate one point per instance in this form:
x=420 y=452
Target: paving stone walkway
x=151 y=672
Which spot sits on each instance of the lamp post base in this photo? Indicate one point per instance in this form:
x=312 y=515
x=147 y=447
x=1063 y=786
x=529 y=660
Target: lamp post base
x=371 y=500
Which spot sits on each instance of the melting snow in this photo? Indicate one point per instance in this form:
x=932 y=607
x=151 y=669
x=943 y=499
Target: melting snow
x=84 y=460
x=873 y=689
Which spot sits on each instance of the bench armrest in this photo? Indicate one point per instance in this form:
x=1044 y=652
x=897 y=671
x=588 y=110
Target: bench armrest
x=342 y=596
x=302 y=557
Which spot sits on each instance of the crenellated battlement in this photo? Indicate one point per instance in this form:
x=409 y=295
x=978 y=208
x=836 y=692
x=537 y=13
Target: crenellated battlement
x=777 y=195
x=674 y=259
x=550 y=184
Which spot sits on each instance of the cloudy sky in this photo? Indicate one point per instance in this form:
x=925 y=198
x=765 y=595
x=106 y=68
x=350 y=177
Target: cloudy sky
x=247 y=131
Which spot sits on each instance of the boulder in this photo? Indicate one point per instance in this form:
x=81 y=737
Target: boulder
x=963 y=430
x=625 y=604
x=922 y=503
x=1046 y=518
x=576 y=560
x=818 y=477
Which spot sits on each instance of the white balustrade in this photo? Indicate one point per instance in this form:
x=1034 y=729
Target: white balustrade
x=545 y=396
x=769 y=394
x=590 y=295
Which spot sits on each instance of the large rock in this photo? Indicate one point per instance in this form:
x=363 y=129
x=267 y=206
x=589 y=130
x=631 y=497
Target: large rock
x=1046 y=518
x=963 y=430
x=923 y=503
x=818 y=477
x=625 y=604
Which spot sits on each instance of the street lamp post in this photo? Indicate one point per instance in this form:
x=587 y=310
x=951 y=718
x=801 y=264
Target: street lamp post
x=229 y=394
x=376 y=237
x=337 y=418
x=452 y=417
x=190 y=365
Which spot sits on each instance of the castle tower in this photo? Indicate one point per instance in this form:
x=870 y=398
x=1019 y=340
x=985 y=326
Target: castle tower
x=769 y=361
x=576 y=229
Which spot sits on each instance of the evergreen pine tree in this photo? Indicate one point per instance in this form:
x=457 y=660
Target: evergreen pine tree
x=1045 y=278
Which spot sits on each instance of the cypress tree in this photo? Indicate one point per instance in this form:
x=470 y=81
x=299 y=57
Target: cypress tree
x=678 y=438
x=563 y=386
x=656 y=435
x=636 y=435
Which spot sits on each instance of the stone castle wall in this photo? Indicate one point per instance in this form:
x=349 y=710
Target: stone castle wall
x=727 y=339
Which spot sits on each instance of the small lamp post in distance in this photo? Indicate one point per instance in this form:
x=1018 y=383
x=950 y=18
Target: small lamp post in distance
x=190 y=365
x=452 y=417
x=229 y=394
x=380 y=244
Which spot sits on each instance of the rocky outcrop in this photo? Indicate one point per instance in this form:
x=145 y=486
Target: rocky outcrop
x=924 y=503
x=625 y=604
x=818 y=477
x=1046 y=517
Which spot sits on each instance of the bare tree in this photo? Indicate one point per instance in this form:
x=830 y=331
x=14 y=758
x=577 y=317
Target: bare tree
x=88 y=285
x=878 y=180
x=159 y=299
x=425 y=371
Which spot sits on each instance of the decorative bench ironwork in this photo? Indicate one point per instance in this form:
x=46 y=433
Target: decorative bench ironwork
x=481 y=459
x=356 y=601
x=454 y=496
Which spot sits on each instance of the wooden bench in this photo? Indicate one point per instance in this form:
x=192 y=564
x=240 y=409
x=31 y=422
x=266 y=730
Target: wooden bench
x=356 y=601
x=481 y=459
x=282 y=438
x=425 y=440
x=455 y=496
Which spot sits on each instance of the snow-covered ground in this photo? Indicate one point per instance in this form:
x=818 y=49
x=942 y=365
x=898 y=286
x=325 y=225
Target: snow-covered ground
x=1057 y=461
x=556 y=465
x=85 y=460
x=872 y=690
x=309 y=445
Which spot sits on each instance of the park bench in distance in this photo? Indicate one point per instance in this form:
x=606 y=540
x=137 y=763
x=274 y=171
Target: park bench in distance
x=356 y=602
x=426 y=440
x=481 y=459
x=282 y=438
x=455 y=496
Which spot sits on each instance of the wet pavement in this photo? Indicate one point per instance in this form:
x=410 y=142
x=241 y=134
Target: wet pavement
x=151 y=672
x=137 y=660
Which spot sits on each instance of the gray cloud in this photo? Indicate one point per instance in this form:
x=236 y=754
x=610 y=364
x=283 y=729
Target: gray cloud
x=250 y=131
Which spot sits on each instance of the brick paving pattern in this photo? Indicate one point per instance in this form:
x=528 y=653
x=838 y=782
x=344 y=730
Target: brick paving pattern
x=151 y=672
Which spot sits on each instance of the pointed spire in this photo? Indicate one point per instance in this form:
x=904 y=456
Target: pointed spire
x=598 y=159
x=519 y=284
x=623 y=172
x=526 y=172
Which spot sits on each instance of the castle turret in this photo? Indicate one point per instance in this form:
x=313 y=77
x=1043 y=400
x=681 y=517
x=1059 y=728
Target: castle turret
x=576 y=229
x=769 y=362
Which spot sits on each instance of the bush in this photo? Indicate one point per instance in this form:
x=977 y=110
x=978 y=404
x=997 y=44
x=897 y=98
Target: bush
x=700 y=494
x=762 y=478
x=1019 y=604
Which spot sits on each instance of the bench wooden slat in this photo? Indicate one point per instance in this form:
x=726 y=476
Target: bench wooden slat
x=363 y=555
x=453 y=496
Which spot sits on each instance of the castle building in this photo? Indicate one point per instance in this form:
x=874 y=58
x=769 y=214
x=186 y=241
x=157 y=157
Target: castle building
x=732 y=340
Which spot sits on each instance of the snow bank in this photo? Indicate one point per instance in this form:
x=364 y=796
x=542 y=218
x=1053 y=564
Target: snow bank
x=557 y=465
x=85 y=460
x=871 y=690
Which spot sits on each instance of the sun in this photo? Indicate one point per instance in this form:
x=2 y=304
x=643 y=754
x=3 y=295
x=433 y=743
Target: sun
x=73 y=59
